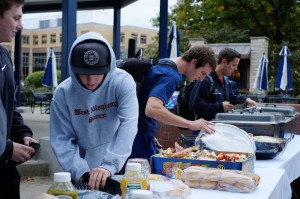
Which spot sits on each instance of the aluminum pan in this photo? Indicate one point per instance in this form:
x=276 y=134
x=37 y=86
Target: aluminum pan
x=288 y=111
x=256 y=117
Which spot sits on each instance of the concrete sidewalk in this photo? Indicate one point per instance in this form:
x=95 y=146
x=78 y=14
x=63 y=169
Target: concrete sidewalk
x=31 y=187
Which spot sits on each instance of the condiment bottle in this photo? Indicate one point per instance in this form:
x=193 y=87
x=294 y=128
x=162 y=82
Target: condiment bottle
x=133 y=179
x=146 y=170
x=62 y=186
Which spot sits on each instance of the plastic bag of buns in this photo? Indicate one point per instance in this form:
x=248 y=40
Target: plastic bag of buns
x=170 y=188
x=225 y=180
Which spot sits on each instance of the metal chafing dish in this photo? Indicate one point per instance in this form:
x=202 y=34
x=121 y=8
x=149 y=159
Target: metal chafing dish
x=260 y=121
x=288 y=111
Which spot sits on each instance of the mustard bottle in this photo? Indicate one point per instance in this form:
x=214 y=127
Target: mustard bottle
x=133 y=179
x=62 y=186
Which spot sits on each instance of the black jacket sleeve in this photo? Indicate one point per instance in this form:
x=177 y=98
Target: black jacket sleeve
x=234 y=96
x=18 y=129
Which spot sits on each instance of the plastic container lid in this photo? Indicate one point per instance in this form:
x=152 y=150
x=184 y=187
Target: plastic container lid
x=229 y=138
x=134 y=166
x=142 y=194
x=62 y=177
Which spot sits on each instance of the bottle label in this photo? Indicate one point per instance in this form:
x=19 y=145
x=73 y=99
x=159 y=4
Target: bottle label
x=64 y=197
x=130 y=186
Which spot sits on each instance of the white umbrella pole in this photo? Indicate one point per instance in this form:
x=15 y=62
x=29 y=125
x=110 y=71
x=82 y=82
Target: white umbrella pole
x=54 y=70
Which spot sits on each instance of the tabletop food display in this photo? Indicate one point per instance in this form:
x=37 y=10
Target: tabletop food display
x=219 y=165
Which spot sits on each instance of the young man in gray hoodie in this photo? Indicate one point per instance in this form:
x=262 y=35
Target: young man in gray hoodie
x=94 y=113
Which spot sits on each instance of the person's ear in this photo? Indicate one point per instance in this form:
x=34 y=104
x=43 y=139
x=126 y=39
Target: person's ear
x=224 y=61
x=194 y=62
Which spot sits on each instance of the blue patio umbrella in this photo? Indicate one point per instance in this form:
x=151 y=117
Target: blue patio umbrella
x=261 y=79
x=284 y=75
x=50 y=76
x=173 y=44
x=173 y=51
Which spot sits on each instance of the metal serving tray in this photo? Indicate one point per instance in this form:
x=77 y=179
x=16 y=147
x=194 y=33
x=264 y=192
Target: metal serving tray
x=288 y=111
x=273 y=124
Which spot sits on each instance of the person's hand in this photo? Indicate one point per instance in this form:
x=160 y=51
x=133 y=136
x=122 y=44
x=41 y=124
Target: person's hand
x=227 y=106
x=203 y=125
x=21 y=153
x=251 y=102
x=98 y=178
x=27 y=140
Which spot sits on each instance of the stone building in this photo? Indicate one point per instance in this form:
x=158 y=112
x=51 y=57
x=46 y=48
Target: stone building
x=43 y=32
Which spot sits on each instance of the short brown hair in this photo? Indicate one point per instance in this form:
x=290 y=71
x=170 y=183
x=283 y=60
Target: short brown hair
x=7 y=4
x=203 y=54
x=229 y=54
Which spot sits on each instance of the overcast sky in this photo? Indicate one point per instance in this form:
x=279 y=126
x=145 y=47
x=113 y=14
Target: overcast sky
x=141 y=12
x=138 y=13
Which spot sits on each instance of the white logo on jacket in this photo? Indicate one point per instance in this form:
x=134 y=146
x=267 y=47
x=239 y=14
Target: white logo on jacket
x=3 y=67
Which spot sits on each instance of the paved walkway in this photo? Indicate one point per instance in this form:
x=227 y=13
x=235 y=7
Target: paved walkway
x=32 y=187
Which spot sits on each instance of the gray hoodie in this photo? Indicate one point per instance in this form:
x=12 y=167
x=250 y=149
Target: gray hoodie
x=90 y=129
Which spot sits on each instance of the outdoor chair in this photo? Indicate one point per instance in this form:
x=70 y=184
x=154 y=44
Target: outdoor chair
x=43 y=100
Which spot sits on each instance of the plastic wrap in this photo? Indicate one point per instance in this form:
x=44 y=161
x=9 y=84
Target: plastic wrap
x=227 y=138
x=93 y=194
x=169 y=188
x=224 y=180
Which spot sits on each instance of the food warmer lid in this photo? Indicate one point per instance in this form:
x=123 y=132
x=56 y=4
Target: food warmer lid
x=288 y=111
x=274 y=117
x=229 y=138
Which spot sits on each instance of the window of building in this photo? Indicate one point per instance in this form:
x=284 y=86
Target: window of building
x=59 y=22
x=143 y=39
x=122 y=37
x=39 y=61
x=35 y=39
x=44 y=24
x=25 y=39
x=134 y=36
x=53 y=38
x=60 y=37
x=25 y=65
x=44 y=39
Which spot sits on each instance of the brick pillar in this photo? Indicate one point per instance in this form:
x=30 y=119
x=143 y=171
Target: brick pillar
x=259 y=45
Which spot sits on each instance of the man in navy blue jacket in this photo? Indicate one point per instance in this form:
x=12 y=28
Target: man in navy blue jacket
x=207 y=102
x=158 y=87
x=15 y=136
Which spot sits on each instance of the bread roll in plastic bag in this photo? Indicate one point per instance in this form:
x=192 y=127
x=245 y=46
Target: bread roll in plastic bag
x=225 y=180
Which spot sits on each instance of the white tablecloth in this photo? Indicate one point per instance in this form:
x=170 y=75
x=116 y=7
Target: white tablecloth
x=289 y=160
x=274 y=184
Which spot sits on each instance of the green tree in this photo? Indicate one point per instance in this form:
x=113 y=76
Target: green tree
x=224 y=20
x=34 y=80
x=234 y=21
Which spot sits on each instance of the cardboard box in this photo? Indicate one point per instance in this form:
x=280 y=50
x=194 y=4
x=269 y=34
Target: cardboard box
x=163 y=165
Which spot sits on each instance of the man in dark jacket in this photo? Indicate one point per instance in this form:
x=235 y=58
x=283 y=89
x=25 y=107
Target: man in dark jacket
x=206 y=102
x=15 y=136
